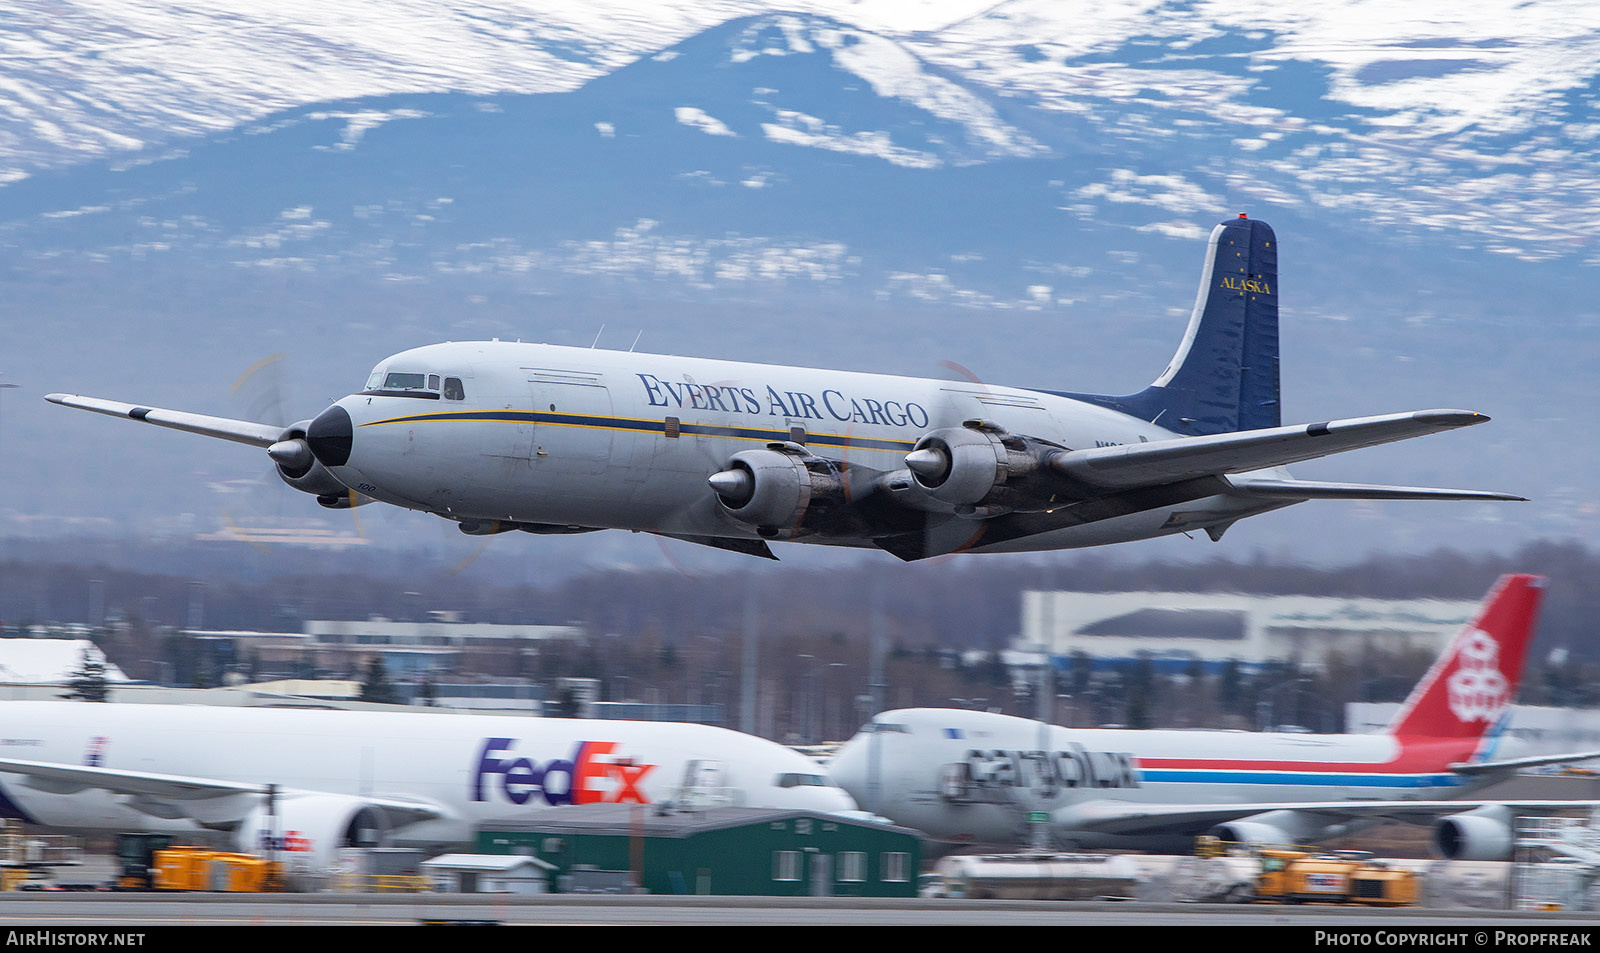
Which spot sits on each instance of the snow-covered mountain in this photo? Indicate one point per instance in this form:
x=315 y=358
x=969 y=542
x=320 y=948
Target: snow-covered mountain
x=1450 y=116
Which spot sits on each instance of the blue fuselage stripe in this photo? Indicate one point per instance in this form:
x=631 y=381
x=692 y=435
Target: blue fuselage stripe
x=1189 y=776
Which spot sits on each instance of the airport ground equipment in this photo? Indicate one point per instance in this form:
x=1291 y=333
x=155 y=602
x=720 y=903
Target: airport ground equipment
x=1557 y=863
x=31 y=859
x=1037 y=876
x=1296 y=876
x=136 y=855
x=199 y=868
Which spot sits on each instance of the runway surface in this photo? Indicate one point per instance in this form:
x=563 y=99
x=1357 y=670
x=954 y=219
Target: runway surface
x=134 y=911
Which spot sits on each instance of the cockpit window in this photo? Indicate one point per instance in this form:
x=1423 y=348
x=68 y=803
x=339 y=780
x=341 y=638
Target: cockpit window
x=790 y=779
x=402 y=381
x=384 y=383
x=883 y=726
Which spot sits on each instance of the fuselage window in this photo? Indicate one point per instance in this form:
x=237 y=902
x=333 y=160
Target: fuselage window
x=453 y=389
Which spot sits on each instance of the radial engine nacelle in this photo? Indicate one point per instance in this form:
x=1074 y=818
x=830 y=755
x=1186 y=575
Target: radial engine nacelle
x=299 y=468
x=982 y=470
x=773 y=489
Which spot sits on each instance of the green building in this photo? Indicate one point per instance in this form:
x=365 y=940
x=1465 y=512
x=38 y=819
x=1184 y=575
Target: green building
x=725 y=850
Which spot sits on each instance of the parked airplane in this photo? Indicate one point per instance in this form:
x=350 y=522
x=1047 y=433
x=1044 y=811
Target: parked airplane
x=966 y=776
x=304 y=783
x=500 y=436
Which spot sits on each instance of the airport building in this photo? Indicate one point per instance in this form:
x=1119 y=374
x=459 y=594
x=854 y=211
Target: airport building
x=728 y=851
x=1176 y=630
x=409 y=650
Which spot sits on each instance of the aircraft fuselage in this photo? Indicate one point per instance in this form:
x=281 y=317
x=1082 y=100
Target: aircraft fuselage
x=560 y=436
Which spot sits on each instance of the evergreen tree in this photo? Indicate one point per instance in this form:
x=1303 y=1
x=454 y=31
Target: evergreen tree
x=88 y=683
x=376 y=687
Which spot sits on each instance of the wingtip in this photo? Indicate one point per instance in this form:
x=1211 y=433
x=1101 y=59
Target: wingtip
x=1451 y=418
x=57 y=398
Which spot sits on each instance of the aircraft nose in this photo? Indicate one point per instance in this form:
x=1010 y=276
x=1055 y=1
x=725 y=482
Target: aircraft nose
x=848 y=770
x=330 y=435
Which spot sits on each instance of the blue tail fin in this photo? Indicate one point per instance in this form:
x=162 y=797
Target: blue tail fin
x=1224 y=377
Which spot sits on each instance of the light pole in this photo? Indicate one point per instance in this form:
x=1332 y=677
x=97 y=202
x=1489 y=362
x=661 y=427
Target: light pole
x=3 y=388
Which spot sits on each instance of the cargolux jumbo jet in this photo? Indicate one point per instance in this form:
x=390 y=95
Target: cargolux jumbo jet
x=304 y=783
x=500 y=436
x=976 y=777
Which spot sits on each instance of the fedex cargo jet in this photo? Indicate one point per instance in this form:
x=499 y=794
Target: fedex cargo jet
x=966 y=776
x=499 y=436
x=308 y=782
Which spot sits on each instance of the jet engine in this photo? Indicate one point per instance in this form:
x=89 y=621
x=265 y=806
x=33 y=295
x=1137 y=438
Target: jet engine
x=773 y=489
x=1481 y=834
x=1272 y=827
x=305 y=831
x=982 y=470
x=1251 y=832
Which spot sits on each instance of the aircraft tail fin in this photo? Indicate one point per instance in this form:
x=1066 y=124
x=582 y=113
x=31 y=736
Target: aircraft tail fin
x=1224 y=377
x=1472 y=684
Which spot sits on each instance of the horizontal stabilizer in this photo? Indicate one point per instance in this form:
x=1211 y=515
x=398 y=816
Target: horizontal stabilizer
x=1168 y=461
x=1315 y=490
x=239 y=431
x=1517 y=764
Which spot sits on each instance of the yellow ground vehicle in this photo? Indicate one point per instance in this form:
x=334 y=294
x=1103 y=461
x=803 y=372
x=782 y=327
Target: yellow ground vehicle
x=151 y=862
x=137 y=852
x=1297 y=876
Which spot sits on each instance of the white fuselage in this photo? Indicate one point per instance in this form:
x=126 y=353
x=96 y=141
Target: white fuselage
x=477 y=770
x=591 y=438
x=975 y=777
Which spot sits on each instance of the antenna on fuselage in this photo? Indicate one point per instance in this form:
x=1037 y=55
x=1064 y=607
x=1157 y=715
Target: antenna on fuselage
x=597 y=336
x=636 y=338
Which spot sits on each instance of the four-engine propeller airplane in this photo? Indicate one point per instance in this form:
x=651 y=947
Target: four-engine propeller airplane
x=504 y=436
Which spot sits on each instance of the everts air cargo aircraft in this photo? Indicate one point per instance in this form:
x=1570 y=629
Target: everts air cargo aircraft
x=499 y=436
x=303 y=783
x=965 y=776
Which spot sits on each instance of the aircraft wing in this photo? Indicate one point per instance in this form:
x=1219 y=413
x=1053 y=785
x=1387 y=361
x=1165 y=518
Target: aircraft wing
x=1162 y=462
x=69 y=778
x=1130 y=819
x=239 y=431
